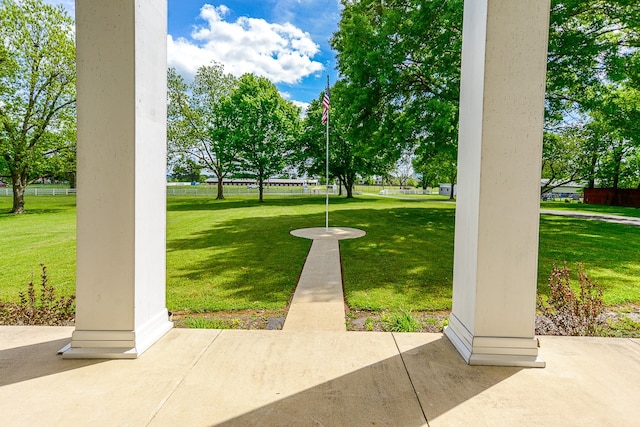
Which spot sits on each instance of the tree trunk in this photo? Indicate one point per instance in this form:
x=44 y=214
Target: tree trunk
x=453 y=185
x=616 y=172
x=616 y=180
x=348 y=185
x=339 y=186
x=260 y=189
x=72 y=179
x=349 y=191
x=592 y=172
x=19 y=187
x=220 y=195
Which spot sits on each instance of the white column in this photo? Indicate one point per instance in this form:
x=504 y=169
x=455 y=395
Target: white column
x=121 y=204
x=504 y=56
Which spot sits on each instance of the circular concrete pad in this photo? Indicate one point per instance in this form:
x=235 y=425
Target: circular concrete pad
x=331 y=233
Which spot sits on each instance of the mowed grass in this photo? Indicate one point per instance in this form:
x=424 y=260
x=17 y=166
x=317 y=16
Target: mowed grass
x=238 y=254
x=46 y=234
x=609 y=253
x=406 y=259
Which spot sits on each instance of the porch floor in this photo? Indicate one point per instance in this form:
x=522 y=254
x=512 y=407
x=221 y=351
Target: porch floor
x=242 y=378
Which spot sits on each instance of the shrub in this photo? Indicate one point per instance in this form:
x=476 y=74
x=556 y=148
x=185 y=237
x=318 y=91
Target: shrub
x=49 y=311
x=568 y=311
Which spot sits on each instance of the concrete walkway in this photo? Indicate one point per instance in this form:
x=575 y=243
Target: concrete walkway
x=617 y=219
x=318 y=302
x=197 y=377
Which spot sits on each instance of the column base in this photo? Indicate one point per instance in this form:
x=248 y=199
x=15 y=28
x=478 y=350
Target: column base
x=493 y=351
x=88 y=344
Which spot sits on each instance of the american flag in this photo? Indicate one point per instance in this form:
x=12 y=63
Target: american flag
x=325 y=104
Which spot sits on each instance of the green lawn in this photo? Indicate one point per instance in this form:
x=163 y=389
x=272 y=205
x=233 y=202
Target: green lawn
x=238 y=254
x=608 y=251
x=45 y=234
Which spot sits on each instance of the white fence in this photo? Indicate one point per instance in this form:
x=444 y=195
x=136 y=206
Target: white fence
x=229 y=190
x=40 y=191
x=177 y=191
x=403 y=191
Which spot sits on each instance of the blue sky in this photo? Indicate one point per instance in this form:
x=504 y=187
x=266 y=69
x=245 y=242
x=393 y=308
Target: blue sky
x=284 y=40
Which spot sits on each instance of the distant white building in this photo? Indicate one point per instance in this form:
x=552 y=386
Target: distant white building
x=445 y=190
x=277 y=182
x=375 y=180
x=569 y=189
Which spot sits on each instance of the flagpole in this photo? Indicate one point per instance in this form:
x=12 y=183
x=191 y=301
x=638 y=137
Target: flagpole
x=326 y=222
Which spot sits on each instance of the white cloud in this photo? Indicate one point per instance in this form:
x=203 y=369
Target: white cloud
x=302 y=105
x=281 y=52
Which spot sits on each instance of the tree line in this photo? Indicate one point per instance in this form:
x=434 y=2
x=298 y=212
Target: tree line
x=400 y=59
x=395 y=105
x=230 y=126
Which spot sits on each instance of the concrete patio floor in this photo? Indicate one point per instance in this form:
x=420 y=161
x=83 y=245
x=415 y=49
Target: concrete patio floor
x=272 y=378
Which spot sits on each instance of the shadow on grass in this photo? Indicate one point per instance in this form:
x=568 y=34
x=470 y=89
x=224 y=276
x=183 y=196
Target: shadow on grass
x=404 y=261
x=183 y=204
x=39 y=205
x=608 y=252
x=5 y=213
x=238 y=264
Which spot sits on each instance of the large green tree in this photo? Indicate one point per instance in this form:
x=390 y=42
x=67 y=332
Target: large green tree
x=261 y=126
x=353 y=150
x=194 y=120
x=593 y=62
x=563 y=159
x=404 y=56
x=602 y=146
x=37 y=89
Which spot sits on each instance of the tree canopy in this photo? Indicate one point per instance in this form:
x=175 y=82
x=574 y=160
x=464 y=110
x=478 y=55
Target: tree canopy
x=194 y=120
x=262 y=128
x=37 y=90
x=593 y=69
x=353 y=150
x=404 y=57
